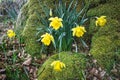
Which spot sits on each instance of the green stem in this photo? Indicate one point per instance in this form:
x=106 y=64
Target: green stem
x=84 y=44
x=4 y=51
x=76 y=48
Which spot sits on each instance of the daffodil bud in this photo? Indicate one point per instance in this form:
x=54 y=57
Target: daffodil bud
x=50 y=12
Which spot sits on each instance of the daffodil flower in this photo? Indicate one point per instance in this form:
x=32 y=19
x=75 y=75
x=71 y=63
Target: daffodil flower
x=58 y=65
x=101 y=21
x=11 y=33
x=55 y=23
x=78 y=31
x=47 y=39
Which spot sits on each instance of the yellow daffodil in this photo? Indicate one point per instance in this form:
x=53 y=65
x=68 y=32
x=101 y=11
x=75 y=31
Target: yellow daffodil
x=10 y=33
x=50 y=12
x=46 y=39
x=78 y=31
x=101 y=21
x=58 y=65
x=56 y=22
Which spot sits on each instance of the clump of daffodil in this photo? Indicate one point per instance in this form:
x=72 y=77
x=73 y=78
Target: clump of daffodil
x=55 y=23
x=58 y=65
x=101 y=21
x=78 y=31
x=47 y=39
x=11 y=33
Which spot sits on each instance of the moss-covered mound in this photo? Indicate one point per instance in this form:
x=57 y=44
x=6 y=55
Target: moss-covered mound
x=27 y=23
x=106 y=40
x=75 y=65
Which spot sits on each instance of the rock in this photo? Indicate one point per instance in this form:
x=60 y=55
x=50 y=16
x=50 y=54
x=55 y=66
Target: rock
x=105 y=40
x=75 y=66
x=27 y=23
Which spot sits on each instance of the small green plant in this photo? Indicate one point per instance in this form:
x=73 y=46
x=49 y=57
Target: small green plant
x=13 y=68
x=15 y=73
x=11 y=8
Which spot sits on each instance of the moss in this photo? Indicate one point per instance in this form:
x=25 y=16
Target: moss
x=92 y=1
x=108 y=9
x=105 y=42
x=29 y=33
x=75 y=64
x=29 y=22
x=104 y=30
x=101 y=49
x=21 y=19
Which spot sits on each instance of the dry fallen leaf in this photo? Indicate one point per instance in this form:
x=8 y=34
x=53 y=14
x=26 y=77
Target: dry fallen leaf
x=93 y=71
x=10 y=53
x=27 y=62
x=35 y=73
x=94 y=78
x=94 y=61
x=3 y=77
x=2 y=71
x=102 y=74
x=31 y=70
x=114 y=70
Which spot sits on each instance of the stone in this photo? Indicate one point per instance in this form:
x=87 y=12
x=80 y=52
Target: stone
x=75 y=66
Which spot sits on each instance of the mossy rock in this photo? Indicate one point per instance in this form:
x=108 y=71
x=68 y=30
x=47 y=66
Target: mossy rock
x=26 y=26
x=92 y=2
x=29 y=30
x=110 y=9
x=106 y=40
x=105 y=43
x=21 y=19
x=75 y=66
